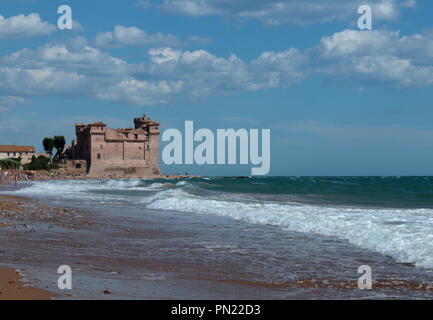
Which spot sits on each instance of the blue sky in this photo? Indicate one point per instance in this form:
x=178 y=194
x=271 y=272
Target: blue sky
x=338 y=101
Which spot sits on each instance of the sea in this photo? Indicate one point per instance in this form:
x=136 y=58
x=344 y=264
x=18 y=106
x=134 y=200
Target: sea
x=233 y=238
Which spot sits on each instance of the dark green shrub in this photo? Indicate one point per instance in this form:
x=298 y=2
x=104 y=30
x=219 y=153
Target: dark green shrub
x=39 y=163
x=10 y=164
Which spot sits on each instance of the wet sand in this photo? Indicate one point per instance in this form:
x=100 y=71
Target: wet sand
x=12 y=288
x=16 y=214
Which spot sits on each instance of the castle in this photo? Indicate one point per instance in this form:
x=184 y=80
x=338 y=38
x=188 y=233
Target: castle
x=103 y=151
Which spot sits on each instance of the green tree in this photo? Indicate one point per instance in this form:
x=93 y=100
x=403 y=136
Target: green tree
x=48 y=144
x=59 y=144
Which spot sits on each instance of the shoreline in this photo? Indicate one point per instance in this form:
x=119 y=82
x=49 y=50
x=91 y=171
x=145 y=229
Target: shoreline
x=47 y=175
x=12 y=287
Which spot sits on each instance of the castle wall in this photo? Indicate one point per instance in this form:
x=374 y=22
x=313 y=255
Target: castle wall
x=119 y=168
x=76 y=166
x=134 y=150
x=114 y=150
x=153 y=147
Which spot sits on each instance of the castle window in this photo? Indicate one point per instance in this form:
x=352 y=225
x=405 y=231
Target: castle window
x=78 y=166
x=99 y=156
x=136 y=136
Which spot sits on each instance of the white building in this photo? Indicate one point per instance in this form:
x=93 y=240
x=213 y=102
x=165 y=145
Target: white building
x=12 y=151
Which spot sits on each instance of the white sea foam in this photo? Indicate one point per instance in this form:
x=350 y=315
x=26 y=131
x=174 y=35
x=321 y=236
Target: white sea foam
x=119 y=184
x=74 y=188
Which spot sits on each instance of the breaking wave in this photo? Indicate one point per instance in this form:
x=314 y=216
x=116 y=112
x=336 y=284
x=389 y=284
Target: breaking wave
x=404 y=234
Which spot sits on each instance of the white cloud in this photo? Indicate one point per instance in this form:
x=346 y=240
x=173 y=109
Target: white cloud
x=42 y=81
x=275 y=12
x=76 y=26
x=350 y=56
x=23 y=26
x=353 y=42
x=376 y=57
x=283 y=68
x=123 y=36
x=75 y=56
x=204 y=73
x=191 y=7
x=386 y=10
x=393 y=70
x=72 y=69
x=76 y=69
x=132 y=36
x=142 y=92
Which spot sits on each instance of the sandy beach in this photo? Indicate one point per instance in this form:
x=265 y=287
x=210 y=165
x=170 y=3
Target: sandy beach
x=12 y=288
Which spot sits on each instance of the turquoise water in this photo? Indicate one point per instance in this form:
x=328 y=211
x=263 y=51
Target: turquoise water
x=415 y=192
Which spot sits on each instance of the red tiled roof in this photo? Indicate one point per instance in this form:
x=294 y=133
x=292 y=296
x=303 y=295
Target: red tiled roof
x=13 y=148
